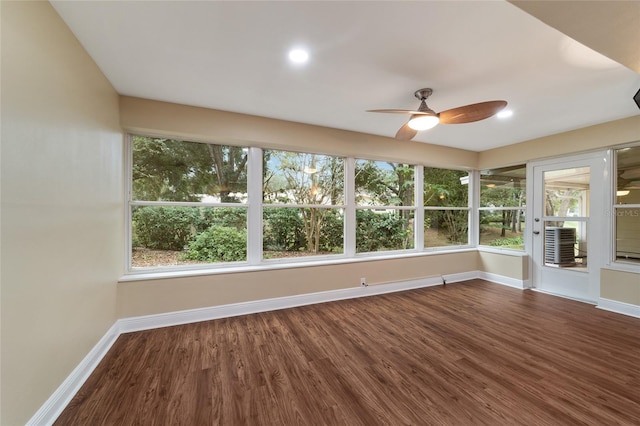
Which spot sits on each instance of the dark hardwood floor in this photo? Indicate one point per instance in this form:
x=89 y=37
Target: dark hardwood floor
x=471 y=353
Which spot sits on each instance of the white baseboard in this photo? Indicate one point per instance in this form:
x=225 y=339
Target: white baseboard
x=54 y=406
x=619 y=307
x=463 y=276
x=226 y=311
x=499 y=279
x=57 y=402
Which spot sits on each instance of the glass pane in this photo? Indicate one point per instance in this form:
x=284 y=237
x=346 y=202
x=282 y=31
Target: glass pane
x=381 y=183
x=446 y=228
x=301 y=178
x=628 y=234
x=566 y=245
x=169 y=236
x=172 y=170
x=567 y=193
x=502 y=228
x=383 y=230
x=444 y=187
x=296 y=232
x=628 y=176
x=504 y=187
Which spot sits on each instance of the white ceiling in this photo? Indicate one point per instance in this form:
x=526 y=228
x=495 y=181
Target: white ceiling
x=232 y=56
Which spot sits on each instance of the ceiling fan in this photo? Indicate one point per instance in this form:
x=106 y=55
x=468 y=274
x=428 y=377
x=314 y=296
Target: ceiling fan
x=425 y=118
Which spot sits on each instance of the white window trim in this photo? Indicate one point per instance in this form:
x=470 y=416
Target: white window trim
x=614 y=263
x=255 y=207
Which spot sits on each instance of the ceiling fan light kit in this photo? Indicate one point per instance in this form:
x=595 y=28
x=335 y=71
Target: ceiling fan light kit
x=423 y=122
x=425 y=118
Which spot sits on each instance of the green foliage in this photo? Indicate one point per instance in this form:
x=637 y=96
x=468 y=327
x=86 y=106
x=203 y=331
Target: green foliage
x=452 y=223
x=173 y=170
x=381 y=231
x=303 y=178
x=222 y=216
x=331 y=237
x=306 y=179
x=383 y=183
x=283 y=230
x=218 y=244
x=442 y=187
x=516 y=242
x=164 y=228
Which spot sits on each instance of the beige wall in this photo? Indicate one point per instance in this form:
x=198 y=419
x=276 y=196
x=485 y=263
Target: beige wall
x=62 y=206
x=152 y=117
x=167 y=295
x=201 y=124
x=620 y=286
x=507 y=265
x=192 y=123
x=62 y=213
x=587 y=139
x=600 y=136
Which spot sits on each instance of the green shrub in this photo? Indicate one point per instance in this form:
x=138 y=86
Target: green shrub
x=332 y=232
x=163 y=228
x=380 y=231
x=514 y=242
x=283 y=230
x=218 y=244
x=222 y=216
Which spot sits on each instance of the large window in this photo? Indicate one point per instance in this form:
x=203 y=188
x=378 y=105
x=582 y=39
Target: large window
x=385 y=208
x=502 y=207
x=194 y=205
x=187 y=203
x=303 y=210
x=627 y=205
x=446 y=211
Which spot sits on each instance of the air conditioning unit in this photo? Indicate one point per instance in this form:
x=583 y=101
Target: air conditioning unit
x=559 y=245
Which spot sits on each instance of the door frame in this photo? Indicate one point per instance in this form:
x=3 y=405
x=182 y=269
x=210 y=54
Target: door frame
x=598 y=223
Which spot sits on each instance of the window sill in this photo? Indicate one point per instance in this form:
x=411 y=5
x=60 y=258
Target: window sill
x=275 y=265
x=624 y=267
x=505 y=251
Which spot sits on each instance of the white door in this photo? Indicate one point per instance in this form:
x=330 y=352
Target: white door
x=569 y=203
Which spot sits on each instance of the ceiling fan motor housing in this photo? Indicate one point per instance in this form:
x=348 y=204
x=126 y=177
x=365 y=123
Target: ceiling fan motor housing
x=423 y=94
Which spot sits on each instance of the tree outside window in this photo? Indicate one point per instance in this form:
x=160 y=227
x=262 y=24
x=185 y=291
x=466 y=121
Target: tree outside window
x=187 y=202
x=446 y=201
x=303 y=204
x=502 y=207
x=385 y=207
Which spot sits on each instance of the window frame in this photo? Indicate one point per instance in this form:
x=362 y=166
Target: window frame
x=254 y=207
x=468 y=209
x=357 y=207
x=616 y=207
x=264 y=205
x=131 y=203
x=479 y=209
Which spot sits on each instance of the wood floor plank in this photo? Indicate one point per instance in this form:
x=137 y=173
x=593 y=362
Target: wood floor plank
x=471 y=353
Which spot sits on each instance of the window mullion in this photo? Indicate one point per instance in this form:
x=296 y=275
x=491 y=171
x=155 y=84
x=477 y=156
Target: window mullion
x=418 y=228
x=350 y=209
x=254 y=214
x=128 y=198
x=474 y=216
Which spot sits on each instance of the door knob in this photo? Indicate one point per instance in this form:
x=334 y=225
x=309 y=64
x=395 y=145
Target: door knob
x=536 y=232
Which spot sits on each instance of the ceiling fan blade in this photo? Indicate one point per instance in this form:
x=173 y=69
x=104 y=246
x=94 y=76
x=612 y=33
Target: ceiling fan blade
x=406 y=133
x=395 y=111
x=471 y=113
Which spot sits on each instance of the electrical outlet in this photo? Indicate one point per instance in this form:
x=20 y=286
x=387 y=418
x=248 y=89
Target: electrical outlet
x=363 y=282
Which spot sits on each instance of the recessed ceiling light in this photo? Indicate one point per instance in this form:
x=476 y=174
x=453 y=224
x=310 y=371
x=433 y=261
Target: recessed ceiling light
x=298 y=56
x=505 y=113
